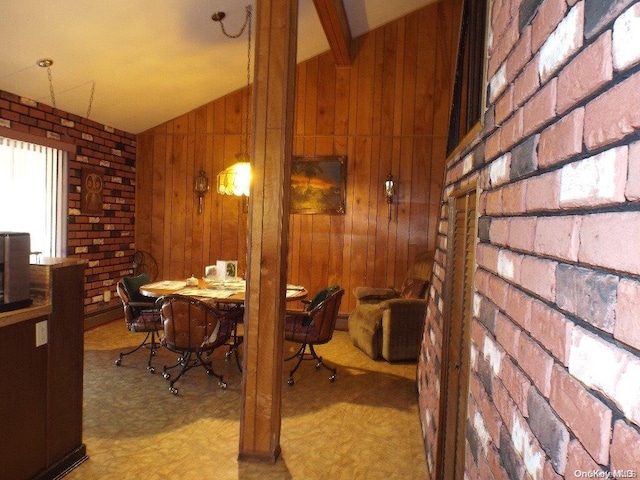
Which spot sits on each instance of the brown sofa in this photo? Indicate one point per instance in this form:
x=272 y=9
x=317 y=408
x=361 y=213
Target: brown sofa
x=389 y=323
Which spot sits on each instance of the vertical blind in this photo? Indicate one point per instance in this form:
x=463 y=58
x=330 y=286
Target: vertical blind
x=33 y=194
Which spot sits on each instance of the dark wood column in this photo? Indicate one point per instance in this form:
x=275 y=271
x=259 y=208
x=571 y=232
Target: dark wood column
x=273 y=94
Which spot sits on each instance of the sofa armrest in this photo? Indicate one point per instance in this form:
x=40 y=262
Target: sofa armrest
x=365 y=328
x=402 y=328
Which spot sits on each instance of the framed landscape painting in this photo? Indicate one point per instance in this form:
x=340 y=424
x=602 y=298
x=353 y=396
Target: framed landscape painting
x=318 y=185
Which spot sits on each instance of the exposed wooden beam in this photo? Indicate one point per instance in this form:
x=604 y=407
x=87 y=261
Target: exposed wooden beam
x=336 y=27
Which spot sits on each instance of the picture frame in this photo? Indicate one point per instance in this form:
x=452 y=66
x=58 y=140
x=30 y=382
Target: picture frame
x=91 y=192
x=318 y=185
x=227 y=270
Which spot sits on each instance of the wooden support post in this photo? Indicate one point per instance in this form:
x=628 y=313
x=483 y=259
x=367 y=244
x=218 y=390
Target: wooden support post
x=273 y=98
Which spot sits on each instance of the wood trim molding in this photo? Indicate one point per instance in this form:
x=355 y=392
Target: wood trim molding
x=37 y=139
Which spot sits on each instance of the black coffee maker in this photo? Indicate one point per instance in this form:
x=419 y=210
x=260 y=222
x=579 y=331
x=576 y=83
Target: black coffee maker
x=15 y=248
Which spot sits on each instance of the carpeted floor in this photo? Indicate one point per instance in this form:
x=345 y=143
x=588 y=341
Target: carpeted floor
x=364 y=425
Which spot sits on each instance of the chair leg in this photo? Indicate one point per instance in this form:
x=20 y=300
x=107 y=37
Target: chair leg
x=321 y=363
x=152 y=351
x=302 y=354
x=233 y=350
x=152 y=345
x=187 y=362
x=236 y=340
x=207 y=367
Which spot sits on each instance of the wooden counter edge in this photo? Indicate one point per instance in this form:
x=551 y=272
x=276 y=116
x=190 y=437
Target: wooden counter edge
x=28 y=313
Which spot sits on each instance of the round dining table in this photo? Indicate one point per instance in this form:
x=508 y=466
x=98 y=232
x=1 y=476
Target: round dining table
x=231 y=291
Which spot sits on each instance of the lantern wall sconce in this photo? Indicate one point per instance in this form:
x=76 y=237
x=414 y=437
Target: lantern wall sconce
x=389 y=192
x=201 y=186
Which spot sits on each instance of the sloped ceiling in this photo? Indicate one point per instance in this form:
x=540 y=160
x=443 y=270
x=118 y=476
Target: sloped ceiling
x=147 y=61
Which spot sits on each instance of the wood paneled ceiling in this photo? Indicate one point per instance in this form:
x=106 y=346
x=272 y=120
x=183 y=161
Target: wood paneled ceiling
x=148 y=61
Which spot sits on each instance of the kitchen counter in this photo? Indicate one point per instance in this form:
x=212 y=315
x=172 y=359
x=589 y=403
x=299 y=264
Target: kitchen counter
x=42 y=346
x=40 y=272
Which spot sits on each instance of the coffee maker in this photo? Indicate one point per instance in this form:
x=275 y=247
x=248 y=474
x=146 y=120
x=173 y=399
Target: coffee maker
x=15 y=248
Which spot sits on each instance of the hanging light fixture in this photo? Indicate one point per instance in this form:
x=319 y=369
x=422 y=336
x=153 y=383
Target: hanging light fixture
x=46 y=63
x=236 y=179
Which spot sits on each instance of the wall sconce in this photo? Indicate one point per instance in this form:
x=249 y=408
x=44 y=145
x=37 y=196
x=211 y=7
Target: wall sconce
x=201 y=186
x=389 y=191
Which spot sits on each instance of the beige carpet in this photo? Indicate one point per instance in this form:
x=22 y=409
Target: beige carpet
x=364 y=425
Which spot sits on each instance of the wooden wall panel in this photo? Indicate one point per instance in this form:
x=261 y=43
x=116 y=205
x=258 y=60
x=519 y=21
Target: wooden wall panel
x=386 y=113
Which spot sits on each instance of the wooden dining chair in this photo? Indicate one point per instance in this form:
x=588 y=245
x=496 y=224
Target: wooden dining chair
x=235 y=313
x=313 y=326
x=140 y=316
x=193 y=329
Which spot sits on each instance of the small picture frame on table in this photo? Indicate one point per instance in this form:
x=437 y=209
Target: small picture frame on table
x=227 y=269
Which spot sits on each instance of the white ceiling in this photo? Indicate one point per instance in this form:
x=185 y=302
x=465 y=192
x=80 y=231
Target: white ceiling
x=150 y=60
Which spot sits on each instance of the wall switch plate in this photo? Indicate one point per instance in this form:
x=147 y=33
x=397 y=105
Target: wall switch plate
x=41 y=333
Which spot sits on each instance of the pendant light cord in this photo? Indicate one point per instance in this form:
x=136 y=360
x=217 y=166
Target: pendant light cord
x=217 y=17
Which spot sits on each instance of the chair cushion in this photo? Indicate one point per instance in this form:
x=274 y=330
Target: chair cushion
x=147 y=321
x=300 y=331
x=132 y=285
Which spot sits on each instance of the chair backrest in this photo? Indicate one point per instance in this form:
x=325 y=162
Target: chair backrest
x=325 y=315
x=132 y=285
x=191 y=324
x=129 y=314
x=321 y=296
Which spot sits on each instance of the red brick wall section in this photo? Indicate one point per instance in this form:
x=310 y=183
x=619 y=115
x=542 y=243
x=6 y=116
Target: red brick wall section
x=105 y=241
x=555 y=343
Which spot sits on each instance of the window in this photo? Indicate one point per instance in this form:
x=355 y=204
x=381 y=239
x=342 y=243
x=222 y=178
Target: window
x=467 y=107
x=33 y=194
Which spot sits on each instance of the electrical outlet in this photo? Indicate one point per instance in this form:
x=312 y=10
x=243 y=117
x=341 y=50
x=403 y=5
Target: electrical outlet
x=41 y=333
x=107 y=295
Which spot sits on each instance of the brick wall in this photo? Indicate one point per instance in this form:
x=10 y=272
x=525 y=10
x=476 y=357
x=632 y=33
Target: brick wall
x=105 y=241
x=555 y=342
